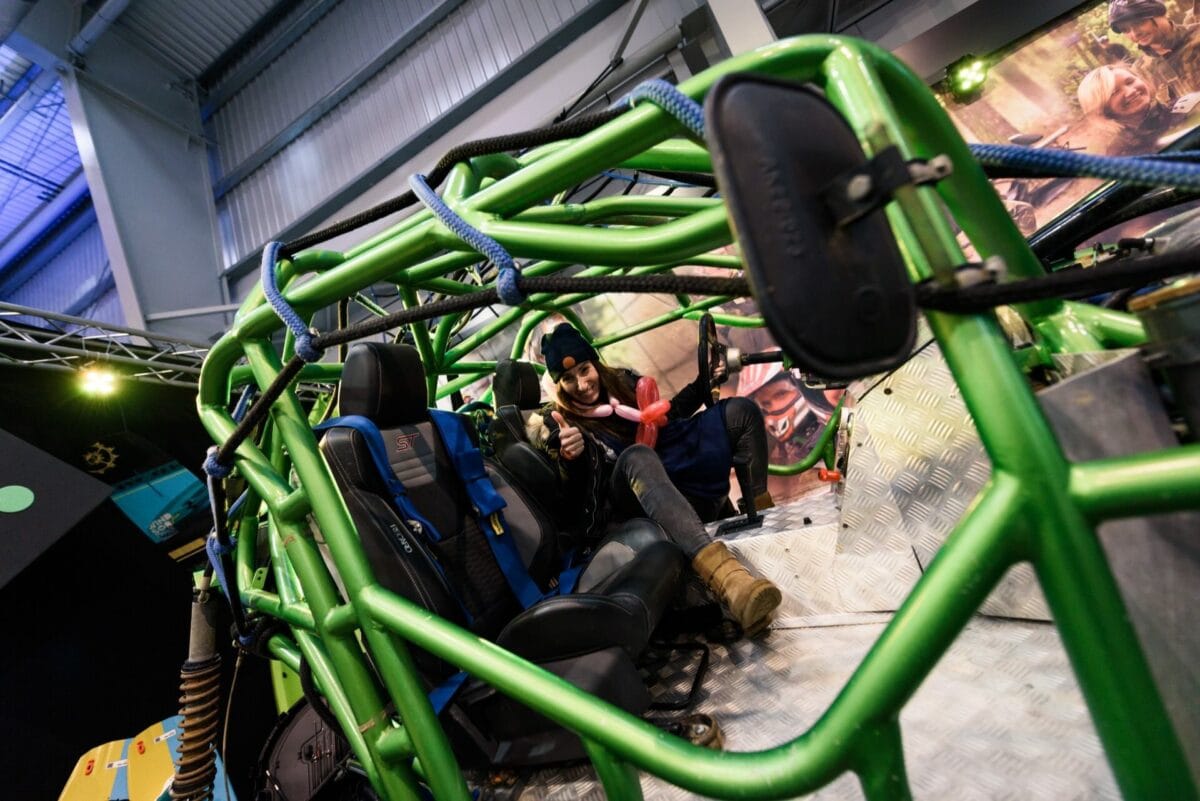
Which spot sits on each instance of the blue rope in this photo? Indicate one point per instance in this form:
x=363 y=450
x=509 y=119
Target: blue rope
x=674 y=102
x=1134 y=170
x=239 y=411
x=304 y=337
x=507 y=279
x=216 y=552
x=214 y=468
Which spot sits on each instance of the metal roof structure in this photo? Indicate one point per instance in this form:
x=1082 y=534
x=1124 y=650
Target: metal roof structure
x=39 y=156
x=34 y=338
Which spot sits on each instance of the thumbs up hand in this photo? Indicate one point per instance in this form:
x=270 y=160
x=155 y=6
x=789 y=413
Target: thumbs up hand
x=570 y=438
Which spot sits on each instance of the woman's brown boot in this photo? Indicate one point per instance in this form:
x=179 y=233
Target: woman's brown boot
x=750 y=600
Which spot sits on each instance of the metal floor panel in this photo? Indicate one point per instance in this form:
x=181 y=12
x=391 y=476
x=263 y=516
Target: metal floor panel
x=1000 y=717
x=915 y=464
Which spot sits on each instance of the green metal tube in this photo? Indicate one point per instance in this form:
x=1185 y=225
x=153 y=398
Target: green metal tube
x=463 y=381
x=690 y=312
x=420 y=335
x=881 y=764
x=819 y=448
x=310 y=649
x=346 y=660
x=673 y=155
x=730 y=320
x=441 y=334
x=419 y=274
x=1114 y=329
x=907 y=651
x=1142 y=484
x=417 y=215
x=609 y=207
x=619 y=780
x=671 y=241
x=1126 y=707
x=506 y=319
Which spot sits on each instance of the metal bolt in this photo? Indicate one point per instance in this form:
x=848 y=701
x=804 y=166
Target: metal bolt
x=859 y=187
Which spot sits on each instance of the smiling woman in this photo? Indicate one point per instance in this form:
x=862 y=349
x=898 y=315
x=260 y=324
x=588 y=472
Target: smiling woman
x=594 y=433
x=1126 y=101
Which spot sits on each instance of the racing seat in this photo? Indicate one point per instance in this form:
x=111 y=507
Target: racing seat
x=517 y=392
x=589 y=637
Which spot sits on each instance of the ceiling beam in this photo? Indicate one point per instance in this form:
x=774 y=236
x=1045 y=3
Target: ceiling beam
x=40 y=223
x=311 y=115
x=250 y=69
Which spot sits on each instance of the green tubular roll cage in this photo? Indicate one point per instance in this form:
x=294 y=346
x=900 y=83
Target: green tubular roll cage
x=1036 y=507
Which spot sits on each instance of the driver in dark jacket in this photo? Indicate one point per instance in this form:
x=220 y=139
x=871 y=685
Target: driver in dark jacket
x=591 y=432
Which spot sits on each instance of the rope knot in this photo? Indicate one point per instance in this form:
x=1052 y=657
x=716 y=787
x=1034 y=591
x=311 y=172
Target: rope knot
x=508 y=286
x=304 y=336
x=305 y=349
x=507 y=279
x=215 y=468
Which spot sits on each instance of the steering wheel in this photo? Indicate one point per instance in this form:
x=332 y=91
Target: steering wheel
x=712 y=359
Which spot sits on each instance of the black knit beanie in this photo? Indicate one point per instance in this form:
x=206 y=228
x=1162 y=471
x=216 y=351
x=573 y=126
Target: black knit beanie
x=563 y=348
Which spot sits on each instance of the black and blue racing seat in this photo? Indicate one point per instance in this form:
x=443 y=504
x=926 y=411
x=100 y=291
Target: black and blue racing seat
x=503 y=574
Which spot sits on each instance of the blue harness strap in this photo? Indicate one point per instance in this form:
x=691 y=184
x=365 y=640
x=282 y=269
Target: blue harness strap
x=414 y=519
x=375 y=444
x=441 y=695
x=487 y=503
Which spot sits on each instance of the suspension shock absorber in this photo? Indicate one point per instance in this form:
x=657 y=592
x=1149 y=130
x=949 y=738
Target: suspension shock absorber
x=200 y=703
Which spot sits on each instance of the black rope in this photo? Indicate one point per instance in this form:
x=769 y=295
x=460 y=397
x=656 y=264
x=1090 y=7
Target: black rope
x=666 y=283
x=315 y=699
x=468 y=150
x=604 y=73
x=258 y=410
x=1065 y=284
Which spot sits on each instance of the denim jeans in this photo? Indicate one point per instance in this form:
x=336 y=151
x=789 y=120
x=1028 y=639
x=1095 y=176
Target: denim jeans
x=640 y=488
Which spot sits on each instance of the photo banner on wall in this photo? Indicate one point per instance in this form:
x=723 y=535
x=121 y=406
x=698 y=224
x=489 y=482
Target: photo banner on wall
x=1115 y=78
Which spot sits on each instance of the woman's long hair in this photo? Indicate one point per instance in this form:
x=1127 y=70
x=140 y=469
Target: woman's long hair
x=619 y=385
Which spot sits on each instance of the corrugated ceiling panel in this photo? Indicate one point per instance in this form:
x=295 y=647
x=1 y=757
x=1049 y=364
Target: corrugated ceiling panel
x=12 y=66
x=36 y=159
x=285 y=23
x=459 y=55
x=190 y=36
x=342 y=42
x=107 y=309
x=75 y=269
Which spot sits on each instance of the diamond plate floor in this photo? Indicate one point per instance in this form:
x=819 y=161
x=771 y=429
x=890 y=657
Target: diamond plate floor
x=1000 y=717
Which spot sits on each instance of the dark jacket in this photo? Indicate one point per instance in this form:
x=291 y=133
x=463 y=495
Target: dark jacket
x=585 y=479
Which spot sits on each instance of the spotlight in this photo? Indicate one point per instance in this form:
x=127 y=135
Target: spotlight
x=98 y=381
x=966 y=76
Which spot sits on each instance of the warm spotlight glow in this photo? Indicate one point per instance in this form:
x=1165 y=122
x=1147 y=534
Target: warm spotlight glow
x=98 y=381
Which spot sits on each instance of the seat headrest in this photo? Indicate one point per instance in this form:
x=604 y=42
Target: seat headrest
x=517 y=384
x=385 y=383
